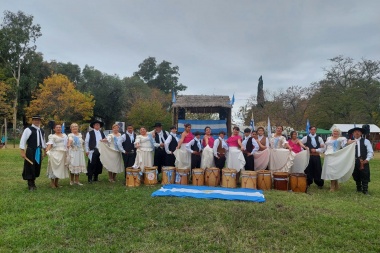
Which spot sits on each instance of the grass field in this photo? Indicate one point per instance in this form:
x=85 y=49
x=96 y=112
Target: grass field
x=105 y=217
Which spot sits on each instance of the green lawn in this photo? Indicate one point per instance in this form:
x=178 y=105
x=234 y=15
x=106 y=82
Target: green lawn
x=105 y=217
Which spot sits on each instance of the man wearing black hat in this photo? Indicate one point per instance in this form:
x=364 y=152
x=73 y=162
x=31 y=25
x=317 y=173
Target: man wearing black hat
x=34 y=138
x=93 y=137
x=363 y=153
x=159 y=153
x=127 y=147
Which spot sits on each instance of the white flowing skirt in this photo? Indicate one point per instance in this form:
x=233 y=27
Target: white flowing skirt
x=143 y=159
x=339 y=165
x=235 y=159
x=207 y=160
x=77 y=162
x=111 y=159
x=300 y=162
x=182 y=158
x=261 y=159
x=57 y=165
x=281 y=160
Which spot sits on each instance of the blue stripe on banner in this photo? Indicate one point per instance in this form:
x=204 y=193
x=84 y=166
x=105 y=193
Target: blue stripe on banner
x=199 y=125
x=206 y=192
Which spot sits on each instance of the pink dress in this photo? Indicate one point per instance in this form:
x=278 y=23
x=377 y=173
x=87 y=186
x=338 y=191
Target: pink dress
x=210 y=142
x=296 y=147
x=233 y=141
x=188 y=138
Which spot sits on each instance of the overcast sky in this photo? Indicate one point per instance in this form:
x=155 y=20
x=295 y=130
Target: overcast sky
x=221 y=47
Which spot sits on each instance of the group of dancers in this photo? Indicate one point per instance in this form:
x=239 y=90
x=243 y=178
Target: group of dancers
x=252 y=151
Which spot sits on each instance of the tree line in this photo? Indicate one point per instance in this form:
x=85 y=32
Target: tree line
x=66 y=93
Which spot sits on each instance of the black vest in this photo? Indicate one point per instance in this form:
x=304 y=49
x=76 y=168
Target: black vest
x=363 y=150
x=127 y=144
x=308 y=142
x=157 y=137
x=92 y=141
x=249 y=145
x=32 y=141
x=173 y=144
x=195 y=147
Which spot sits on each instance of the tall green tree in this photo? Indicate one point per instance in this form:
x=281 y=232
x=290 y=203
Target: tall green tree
x=160 y=76
x=18 y=35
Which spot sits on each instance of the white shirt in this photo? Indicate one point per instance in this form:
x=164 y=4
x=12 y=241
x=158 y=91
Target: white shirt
x=26 y=134
x=122 y=139
x=160 y=137
x=168 y=140
x=367 y=143
x=321 y=143
x=191 y=143
x=98 y=137
x=216 y=144
x=254 y=143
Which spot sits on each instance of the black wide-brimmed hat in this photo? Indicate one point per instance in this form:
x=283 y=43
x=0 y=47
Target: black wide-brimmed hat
x=96 y=121
x=36 y=117
x=157 y=124
x=357 y=128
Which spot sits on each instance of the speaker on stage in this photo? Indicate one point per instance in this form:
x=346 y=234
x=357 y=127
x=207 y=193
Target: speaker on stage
x=181 y=113
x=222 y=114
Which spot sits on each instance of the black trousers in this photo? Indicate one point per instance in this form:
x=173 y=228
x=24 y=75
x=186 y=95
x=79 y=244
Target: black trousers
x=220 y=162
x=129 y=160
x=94 y=167
x=314 y=171
x=195 y=161
x=170 y=160
x=249 y=162
x=361 y=176
x=31 y=171
x=159 y=158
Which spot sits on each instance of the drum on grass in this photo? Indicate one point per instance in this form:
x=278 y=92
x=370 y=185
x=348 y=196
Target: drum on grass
x=182 y=176
x=264 y=180
x=249 y=179
x=168 y=175
x=150 y=175
x=229 y=178
x=212 y=177
x=198 y=177
x=133 y=177
x=298 y=182
x=280 y=181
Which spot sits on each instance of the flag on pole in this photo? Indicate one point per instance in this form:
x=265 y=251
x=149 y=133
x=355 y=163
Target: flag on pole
x=63 y=128
x=232 y=100
x=307 y=127
x=173 y=97
x=252 y=123
x=269 y=129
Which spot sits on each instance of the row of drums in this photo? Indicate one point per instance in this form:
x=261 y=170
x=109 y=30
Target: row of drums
x=262 y=179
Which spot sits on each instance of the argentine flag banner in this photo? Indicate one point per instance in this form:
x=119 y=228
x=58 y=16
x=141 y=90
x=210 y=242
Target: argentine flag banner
x=206 y=192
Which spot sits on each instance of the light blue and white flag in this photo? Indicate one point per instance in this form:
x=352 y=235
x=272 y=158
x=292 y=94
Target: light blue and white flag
x=307 y=127
x=173 y=97
x=232 y=102
x=206 y=192
x=252 y=123
x=63 y=128
x=269 y=129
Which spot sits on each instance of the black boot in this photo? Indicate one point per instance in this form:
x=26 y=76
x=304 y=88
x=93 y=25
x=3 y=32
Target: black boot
x=34 y=185
x=30 y=186
x=365 y=188
x=358 y=186
x=90 y=179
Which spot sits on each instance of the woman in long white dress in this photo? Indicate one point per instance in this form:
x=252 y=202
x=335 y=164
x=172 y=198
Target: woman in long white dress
x=207 y=160
x=110 y=156
x=76 y=160
x=145 y=147
x=57 y=152
x=281 y=157
x=337 y=165
x=235 y=158
x=182 y=156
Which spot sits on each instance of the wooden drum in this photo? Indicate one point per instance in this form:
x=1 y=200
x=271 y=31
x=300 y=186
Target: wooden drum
x=182 y=176
x=264 y=180
x=298 y=182
x=249 y=179
x=150 y=175
x=198 y=177
x=168 y=175
x=229 y=178
x=212 y=177
x=280 y=181
x=133 y=177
